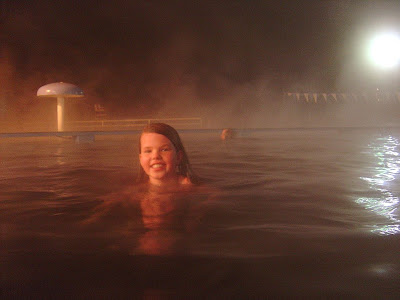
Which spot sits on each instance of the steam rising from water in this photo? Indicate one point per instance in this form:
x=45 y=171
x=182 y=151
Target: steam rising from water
x=227 y=62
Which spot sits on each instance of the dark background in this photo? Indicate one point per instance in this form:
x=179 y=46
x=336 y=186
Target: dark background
x=187 y=58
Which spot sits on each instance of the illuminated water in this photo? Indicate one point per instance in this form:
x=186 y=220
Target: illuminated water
x=286 y=213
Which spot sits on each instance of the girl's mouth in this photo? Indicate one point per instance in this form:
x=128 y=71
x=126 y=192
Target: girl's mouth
x=157 y=166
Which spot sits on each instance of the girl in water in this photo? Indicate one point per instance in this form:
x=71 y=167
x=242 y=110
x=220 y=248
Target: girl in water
x=166 y=196
x=163 y=159
x=167 y=179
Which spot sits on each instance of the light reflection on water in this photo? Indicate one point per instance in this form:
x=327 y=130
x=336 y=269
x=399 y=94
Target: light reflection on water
x=384 y=149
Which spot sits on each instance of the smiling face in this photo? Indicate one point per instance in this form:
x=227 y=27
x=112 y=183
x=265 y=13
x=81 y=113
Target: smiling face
x=158 y=158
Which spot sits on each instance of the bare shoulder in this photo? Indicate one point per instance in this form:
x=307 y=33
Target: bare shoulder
x=185 y=181
x=205 y=193
x=112 y=204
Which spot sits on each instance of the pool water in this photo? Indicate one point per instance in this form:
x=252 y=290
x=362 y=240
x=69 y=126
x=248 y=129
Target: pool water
x=283 y=213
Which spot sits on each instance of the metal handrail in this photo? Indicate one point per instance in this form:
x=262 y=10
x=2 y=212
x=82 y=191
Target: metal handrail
x=137 y=122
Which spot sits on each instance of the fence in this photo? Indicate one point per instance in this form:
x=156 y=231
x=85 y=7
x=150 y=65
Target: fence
x=132 y=124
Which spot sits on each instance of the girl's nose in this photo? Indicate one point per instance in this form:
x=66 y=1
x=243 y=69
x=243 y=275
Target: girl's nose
x=155 y=154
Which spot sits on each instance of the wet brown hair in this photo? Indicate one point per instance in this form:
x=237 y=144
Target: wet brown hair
x=184 y=167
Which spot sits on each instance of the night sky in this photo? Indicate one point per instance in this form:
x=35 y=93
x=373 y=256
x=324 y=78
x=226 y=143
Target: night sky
x=136 y=57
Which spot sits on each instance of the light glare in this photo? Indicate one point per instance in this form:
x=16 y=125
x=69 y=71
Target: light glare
x=384 y=50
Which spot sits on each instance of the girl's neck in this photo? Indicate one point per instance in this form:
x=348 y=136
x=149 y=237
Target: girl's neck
x=165 y=183
x=170 y=184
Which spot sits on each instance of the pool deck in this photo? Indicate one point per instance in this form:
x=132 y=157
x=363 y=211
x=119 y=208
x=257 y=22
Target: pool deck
x=201 y=130
x=65 y=133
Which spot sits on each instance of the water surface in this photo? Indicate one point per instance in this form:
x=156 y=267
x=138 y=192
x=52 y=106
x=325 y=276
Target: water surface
x=285 y=213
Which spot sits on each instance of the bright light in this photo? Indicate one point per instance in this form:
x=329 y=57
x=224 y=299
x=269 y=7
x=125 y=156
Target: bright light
x=384 y=50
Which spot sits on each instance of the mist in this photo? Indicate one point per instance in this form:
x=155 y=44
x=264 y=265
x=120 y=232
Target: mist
x=228 y=62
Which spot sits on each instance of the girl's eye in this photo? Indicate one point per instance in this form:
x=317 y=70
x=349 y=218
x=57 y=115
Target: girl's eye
x=165 y=149
x=147 y=151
